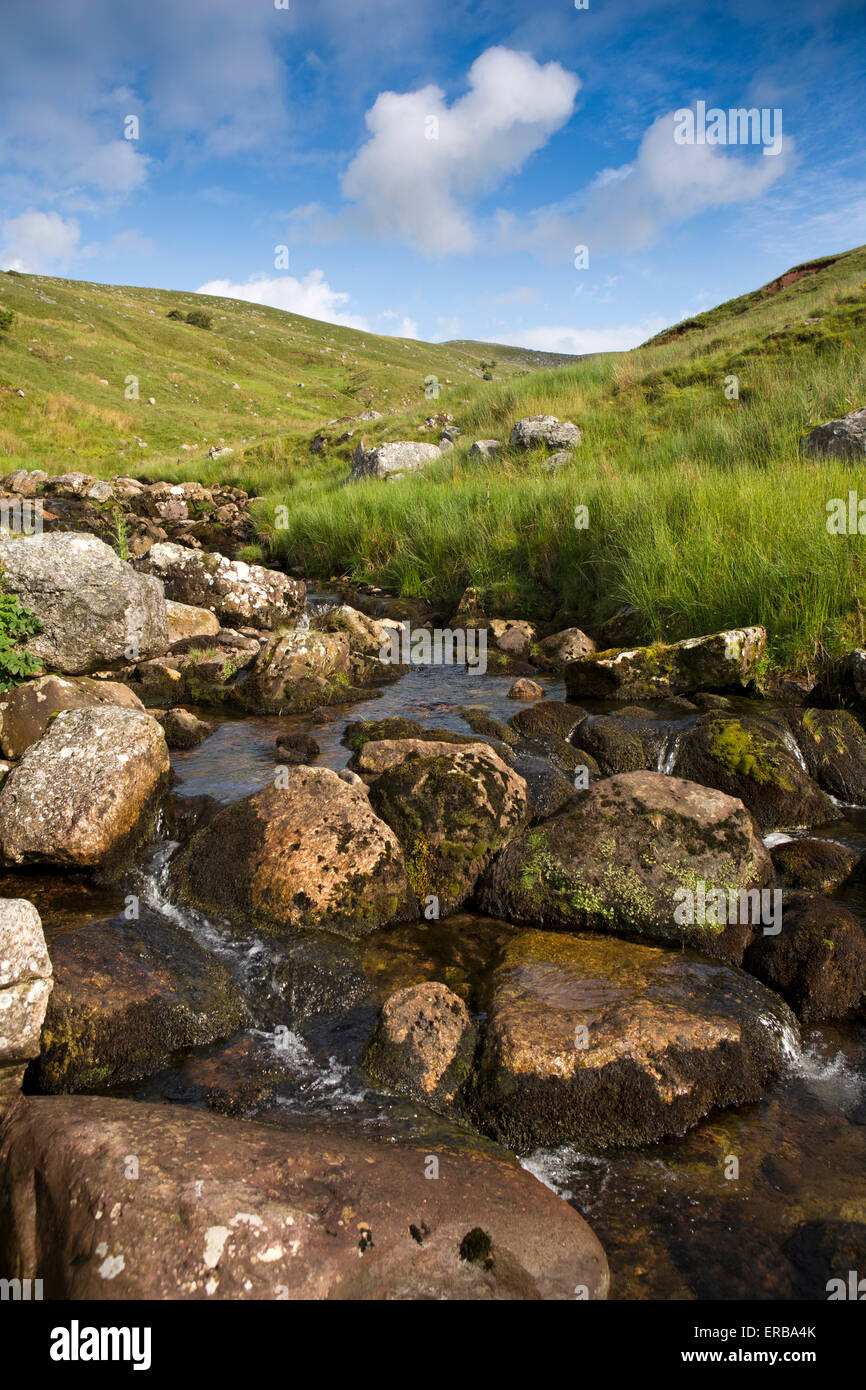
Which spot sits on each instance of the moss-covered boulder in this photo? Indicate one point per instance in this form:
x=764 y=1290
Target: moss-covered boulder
x=127 y=995
x=423 y=1045
x=549 y=718
x=625 y=857
x=819 y=865
x=452 y=809
x=717 y=661
x=818 y=960
x=307 y=854
x=833 y=745
x=298 y=670
x=592 y=1040
x=752 y=759
x=623 y=743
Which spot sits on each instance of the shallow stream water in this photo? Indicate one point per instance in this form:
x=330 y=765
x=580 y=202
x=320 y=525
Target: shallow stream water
x=674 y=1222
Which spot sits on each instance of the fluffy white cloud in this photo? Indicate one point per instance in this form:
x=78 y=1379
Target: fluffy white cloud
x=38 y=241
x=426 y=161
x=557 y=338
x=312 y=296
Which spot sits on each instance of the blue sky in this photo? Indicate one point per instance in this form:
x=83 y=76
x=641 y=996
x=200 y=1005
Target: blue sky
x=431 y=165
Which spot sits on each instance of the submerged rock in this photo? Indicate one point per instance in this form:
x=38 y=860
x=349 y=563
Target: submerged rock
x=818 y=960
x=86 y=793
x=423 y=1045
x=626 y=856
x=719 y=660
x=127 y=996
x=229 y=1209
x=752 y=759
x=592 y=1040
x=25 y=986
x=94 y=609
x=307 y=855
x=452 y=809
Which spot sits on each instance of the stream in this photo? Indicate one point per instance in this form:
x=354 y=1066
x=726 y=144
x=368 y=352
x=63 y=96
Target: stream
x=673 y=1224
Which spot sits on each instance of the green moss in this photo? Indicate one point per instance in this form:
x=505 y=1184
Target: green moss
x=743 y=752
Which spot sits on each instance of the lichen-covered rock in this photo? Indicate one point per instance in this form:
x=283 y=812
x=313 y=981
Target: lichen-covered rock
x=818 y=960
x=452 y=808
x=186 y=621
x=514 y=636
x=308 y=854
x=392 y=460
x=621 y=745
x=752 y=759
x=423 y=1045
x=592 y=1040
x=838 y=439
x=94 y=609
x=367 y=636
x=554 y=653
x=547 y=430
x=127 y=995
x=299 y=670
x=833 y=745
x=86 y=793
x=720 y=660
x=819 y=865
x=485 y=449
x=621 y=858
x=27 y=709
x=229 y=1209
x=241 y=595
x=25 y=985
x=379 y=755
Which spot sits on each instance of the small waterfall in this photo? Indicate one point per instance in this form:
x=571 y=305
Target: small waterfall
x=668 y=752
x=793 y=748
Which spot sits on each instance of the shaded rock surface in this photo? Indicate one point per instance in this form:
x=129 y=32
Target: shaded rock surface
x=25 y=986
x=818 y=960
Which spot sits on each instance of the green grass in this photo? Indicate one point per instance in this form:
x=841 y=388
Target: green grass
x=701 y=514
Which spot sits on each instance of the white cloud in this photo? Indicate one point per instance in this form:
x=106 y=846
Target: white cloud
x=38 y=241
x=558 y=338
x=312 y=296
x=425 y=162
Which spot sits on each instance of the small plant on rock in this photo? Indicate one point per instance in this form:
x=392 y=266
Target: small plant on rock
x=16 y=625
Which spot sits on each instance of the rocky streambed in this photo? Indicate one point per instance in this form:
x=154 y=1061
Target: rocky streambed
x=417 y=989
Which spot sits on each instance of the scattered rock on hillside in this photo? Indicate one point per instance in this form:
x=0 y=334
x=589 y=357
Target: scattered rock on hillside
x=592 y=1040
x=280 y=1213
x=485 y=448
x=545 y=429
x=306 y=855
x=845 y=438
x=85 y=794
x=721 y=659
x=624 y=858
x=94 y=608
x=392 y=460
x=25 y=984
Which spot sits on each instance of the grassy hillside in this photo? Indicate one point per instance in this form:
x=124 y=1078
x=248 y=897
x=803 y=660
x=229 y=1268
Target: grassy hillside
x=257 y=373
x=701 y=514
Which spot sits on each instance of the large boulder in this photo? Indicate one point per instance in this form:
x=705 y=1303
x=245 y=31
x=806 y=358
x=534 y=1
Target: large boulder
x=625 y=857
x=27 y=709
x=591 y=1040
x=308 y=854
x=393 y=460
x=298 y=670
x=25 y=985
x=452 y=808
x=719 y=661
x=838 y=439
x=87 y=792
x=423 y=1044
x=127 y=995
x=753 y=759
x=94 y=609
x=818 y=960
x=241 y=595
x=221 y=1208
x=547 y=430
